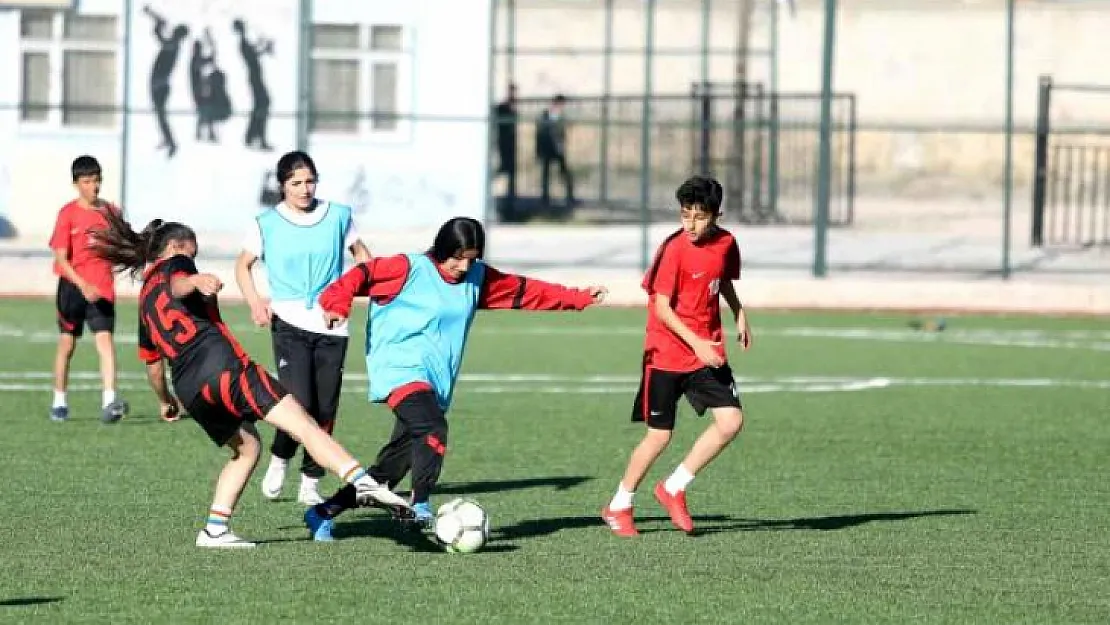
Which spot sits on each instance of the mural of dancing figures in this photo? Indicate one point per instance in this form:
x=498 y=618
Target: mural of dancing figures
x=217 y=92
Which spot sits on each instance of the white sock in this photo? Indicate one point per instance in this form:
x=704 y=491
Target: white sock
x=107 y=397
x=679 y=480
x=623 y=499
x=218 y=517
x=278 y=462
x=309 y=482
x=59 y=399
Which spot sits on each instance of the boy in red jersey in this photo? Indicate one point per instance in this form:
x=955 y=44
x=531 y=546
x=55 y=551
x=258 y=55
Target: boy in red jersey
x=684 y=353
x=86 y=289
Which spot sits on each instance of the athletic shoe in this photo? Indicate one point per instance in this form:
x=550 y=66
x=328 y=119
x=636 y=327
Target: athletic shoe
x=224 y=539
x=273 y=480
x=114 y=411
x=318 y=527
x=675 y=505
x=308 y=495
x=620 y=522
x=59 y=414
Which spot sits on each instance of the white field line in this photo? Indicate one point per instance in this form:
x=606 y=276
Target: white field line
x=1032 y=339
x=489 y=383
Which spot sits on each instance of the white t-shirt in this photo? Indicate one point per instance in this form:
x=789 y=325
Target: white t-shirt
x=294 y=312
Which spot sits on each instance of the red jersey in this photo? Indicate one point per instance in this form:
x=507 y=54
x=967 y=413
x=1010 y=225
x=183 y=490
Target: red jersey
x=690 y=274
x=72 y=234
x=382 y=278
x=188 y=332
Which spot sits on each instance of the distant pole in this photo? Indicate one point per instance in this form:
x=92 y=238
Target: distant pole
x=773 y=147
x=125 y=127
x=645 y=134
x=304 y=75
x=510 y=40
x=706 y=19
x=824 y=156
x=606 y=93
x=1008 y=174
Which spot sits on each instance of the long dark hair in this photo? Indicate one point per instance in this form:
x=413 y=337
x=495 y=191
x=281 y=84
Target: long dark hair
x=291 y=162
x=128 y=250
x=458 y=234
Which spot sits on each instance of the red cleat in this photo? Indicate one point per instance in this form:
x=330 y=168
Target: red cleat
x=675 y=505
x=620 y=521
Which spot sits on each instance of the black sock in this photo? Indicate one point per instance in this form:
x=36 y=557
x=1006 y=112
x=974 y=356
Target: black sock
x=342 y=500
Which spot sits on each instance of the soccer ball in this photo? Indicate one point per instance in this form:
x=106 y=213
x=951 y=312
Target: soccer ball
x=461 y=526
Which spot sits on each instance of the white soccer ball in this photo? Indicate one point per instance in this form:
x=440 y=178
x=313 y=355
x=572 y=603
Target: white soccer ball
x=461 y=526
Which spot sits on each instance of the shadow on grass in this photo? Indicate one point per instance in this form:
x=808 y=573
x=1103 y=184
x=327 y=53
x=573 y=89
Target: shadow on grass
x=713 y=524
x=22 y=601
x=382 y=526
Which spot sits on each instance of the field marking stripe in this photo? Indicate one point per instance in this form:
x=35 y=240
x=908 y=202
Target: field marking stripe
x=1089 y=340
x=751 y=386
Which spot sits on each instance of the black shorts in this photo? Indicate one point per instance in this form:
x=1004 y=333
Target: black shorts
x=74 y=311
x=242 y=392
x=705 y=388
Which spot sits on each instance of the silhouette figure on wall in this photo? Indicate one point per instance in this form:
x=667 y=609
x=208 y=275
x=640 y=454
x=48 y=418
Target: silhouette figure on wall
x=209 y=86
x=260 y=114
x=160 y=74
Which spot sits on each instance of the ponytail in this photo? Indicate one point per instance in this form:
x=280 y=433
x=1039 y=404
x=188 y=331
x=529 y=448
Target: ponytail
x=131 y=251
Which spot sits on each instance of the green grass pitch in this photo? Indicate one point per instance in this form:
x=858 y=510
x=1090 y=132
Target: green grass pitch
x=884 y=475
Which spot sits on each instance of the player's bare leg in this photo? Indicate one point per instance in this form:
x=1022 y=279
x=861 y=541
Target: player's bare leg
x=290 y=417
x=112 y=406
x=618 y=514
x=245 y=448
x=727 y=423
x=59 y=410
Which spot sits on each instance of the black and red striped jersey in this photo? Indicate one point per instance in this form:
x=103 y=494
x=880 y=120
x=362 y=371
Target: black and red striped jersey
x=187 y=332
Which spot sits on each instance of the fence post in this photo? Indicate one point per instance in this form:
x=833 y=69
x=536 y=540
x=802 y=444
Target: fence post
x=645 y=134
x=304 y=75
x=773 y=114
x=705 y=149
x=125 y=126
x=607 y=88
x=824 y=150
x=1040 y=164
x=851 y=191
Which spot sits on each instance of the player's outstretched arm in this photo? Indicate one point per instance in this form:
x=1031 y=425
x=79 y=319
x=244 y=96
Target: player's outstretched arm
x=380 y=278
x=508 y=291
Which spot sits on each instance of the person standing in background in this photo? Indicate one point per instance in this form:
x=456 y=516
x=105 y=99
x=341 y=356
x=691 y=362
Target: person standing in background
x=302 y=242
x=551 y=149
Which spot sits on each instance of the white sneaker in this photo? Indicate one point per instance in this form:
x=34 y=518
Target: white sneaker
x=308 y=494
x=372 y=493
x=273 y=480
x=222 y=540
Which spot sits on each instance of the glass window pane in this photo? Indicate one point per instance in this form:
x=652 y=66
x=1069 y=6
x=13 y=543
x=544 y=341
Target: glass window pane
x=335 y=36
x=35 y=98
x=383 y=106
x=90 y=27
x=335 y=89
x=36 y=24
x=385 y=38
x=89 y=88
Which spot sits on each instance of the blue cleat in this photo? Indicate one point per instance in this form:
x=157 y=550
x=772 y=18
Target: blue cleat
x=318 y=527
x=59 y=414
x=422 y=514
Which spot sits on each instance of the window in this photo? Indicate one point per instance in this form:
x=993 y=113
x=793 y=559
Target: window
x=69 y=66
x=357 y=74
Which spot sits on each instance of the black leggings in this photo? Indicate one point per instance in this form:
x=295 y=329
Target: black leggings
x=310 y=366
x=418 y=443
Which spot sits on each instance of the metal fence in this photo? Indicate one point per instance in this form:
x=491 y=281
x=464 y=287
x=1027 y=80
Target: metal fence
x=761 y=145
x=1071 y=184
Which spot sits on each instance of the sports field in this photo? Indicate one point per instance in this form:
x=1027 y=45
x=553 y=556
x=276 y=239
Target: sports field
x=885 y=475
